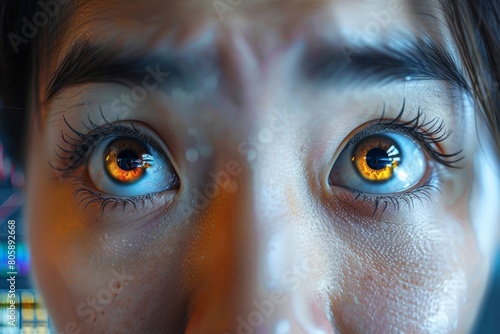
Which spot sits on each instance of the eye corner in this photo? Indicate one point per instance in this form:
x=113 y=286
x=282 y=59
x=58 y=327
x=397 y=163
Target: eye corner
x=383 y=167
x=140 y=164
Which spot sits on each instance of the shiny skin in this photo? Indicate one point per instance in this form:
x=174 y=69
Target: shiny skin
x=277 y=234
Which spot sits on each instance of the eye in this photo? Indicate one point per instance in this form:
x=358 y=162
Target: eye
x=382 y=163
x=131 y=166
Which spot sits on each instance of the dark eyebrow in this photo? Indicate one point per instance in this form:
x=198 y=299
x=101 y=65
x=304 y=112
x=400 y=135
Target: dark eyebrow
x=90 y=63
x=412 y=59
x=344 y=65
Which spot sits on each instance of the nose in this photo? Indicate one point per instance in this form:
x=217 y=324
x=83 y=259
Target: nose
x=256 y=280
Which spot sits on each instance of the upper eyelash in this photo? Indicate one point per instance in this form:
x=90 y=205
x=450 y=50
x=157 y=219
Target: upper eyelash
x=80 y=147
x=428 y=133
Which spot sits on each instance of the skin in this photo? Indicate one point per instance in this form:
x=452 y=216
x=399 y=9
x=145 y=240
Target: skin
x=312 y=257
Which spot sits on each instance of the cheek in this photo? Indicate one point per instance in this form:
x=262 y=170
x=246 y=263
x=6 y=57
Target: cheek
x=412 y=274
x=89 y=268
x=88 y=276
x=49 y=218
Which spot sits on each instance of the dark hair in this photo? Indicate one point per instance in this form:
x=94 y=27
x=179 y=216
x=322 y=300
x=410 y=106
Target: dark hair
x=15 y=69
x=474 y=23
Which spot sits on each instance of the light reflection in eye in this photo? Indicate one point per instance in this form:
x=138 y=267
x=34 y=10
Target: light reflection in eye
x=126 y=166
x=383 y=163
x=376 y=158
x=123 y=159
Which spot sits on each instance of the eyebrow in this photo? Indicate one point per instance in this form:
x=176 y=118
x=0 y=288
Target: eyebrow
x=409 y=59
x=90 y=63
x=344 y=65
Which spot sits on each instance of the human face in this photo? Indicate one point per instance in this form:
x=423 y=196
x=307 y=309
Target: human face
x=200 y=167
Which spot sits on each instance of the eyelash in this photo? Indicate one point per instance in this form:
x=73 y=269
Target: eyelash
x=429 y=134
x=424 y=192
x=80 y=147
x=78 y=151
x=104 y=200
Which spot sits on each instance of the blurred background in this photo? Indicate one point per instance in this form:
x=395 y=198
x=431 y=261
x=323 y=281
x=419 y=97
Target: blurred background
x=30 y=312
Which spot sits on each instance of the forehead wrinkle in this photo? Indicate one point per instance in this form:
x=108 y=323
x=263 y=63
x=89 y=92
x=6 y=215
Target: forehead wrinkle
x=199 y=5
x=119 y=15
x=89 y=13
x=126 y=12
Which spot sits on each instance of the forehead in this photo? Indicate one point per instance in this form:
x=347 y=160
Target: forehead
x=242 y=35
x=179 y=10
x=152 y=21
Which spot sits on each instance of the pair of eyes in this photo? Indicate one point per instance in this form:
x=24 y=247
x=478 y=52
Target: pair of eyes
x=380 y=162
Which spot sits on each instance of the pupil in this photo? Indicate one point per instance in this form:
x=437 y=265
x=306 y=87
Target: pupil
x=126 y=160
x=377 y=159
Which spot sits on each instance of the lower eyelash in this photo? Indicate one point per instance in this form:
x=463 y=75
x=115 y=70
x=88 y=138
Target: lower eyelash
x=90 y=197
x=79 y=144
x=434 y=134
x=428 y=134
x=397 y=201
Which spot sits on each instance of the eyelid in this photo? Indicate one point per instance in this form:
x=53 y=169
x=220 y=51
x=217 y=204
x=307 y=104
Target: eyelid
x=78 y=145
x=429 y=134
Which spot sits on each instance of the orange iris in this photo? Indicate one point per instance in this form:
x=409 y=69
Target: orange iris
x=123 y=160
x=376 y=157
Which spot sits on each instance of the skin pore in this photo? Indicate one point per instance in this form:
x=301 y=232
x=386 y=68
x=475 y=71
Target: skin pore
x=258 y=237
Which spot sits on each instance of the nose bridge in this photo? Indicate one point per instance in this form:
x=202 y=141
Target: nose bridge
x=228 y=245
x=233 y=280
x=257 y=282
